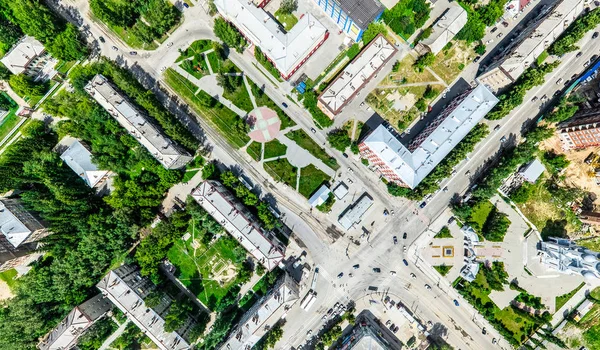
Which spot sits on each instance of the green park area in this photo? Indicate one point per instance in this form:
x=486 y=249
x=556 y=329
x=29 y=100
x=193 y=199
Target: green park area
x=311 y=179
x=305 y=141
x=281 y=170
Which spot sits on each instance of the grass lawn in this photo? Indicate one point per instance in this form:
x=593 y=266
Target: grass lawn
x=197 y=268
x=188 y=175
x=263 y=100
x=219 y=116
x=8 y=276
x=8 y=123
x=196 y=66
x=287 y=20
x=254 y=150
x=196 y=47
x=448 y=63
x=64 y=66
x=240 y=97
x=274 y=149
x=444 y=233
x=480 y=214
x=282 y=170
x=443 y=269
x=562 y=299
x=305 y=141
x=215 y=61
x=311 y=179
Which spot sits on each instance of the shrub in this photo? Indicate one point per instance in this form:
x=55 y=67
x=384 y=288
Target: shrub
x=480 y=49
x=424 y=61
x=495 y=226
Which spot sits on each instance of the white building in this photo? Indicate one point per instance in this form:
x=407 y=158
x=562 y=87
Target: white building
x=532 y=171
x=29 y=57
x=354 y=213
x=287 y=51
x=445 y=28
x=537 y=36
x=408 y=166
x=263 y=315
x=169 y=154
x=79 y=159
x=239 y=223
x=319 y=197
x=565 y=256
x=77 y=322
x=355 y=76
x=126 y=289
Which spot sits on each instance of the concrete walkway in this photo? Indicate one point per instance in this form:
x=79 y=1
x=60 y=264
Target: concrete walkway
x=300 y=158
x=114 y=336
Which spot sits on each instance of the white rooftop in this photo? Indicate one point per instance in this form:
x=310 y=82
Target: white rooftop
x=161 y=147
x=320 y=196
x=533 y=171
x=356 y=74
x=22 y=53
x=355 y=213
x=15 y=231
x=413 y=167
x=286 y=50
x=79 y=159
x=238 y=222
x=341 y=190
x=445 y=28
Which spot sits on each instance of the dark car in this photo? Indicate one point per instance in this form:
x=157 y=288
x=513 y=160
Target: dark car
x=404 y=235
x=595 y=57
x=451 y=220
x=284 y=104
x=133 y=53
x=595 y=35
x=186 y=5
x=476 y=59
x=494 y=29
x=356 y=266
x=345 y=155
x=423 y=205
x=579 y=54
x=405 y=262
x=395 y=240
x=376 y=270
x=101 y=38
x=484 y=331
x=557 y=93
x=456 y=302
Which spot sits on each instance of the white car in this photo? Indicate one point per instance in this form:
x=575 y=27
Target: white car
x=393 y=273
x=428 y=287
x=413 y=275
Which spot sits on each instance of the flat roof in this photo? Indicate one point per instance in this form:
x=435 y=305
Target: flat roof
x=79 y=159
x=533 y=171
x=445 y=28
x=356 y=74
x=413 y=167
x=362 y=12
x=341 y=190
x=136 y=123
x=286 y=50
x=23 y=52
x=320 y=196
x=239 y=223
x=355 y=212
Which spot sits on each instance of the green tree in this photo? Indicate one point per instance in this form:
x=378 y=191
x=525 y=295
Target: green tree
x=473 y=30
x=430 y=92
x=480 y=49
x=228 y=34
x=522 y=194
x=24 y=85
x=67 y=45
x=424 y=61
x=177 y=315
x=374 y=29
x=288 y=6
x=9 y=34
x=273 y=336
x=34 y=18
x=226 y=83
x=339 y=139
x=555 y=162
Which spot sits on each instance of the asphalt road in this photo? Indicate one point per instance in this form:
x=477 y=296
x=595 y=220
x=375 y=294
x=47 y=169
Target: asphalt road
x=435 y=305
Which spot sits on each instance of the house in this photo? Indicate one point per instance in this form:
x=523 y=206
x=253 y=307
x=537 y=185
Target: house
x=78 y=157
x=78 y=321
x=20 y=232
x=29 y=57
x=163 y=149
x=408 y=165
x=319 y=197
x=532 y=171
x=445 y=28
x=355 y=212
x=352 y=16
x=225 y=208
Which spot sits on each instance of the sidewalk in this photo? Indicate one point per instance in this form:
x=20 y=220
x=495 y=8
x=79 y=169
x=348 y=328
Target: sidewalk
x=114 y=336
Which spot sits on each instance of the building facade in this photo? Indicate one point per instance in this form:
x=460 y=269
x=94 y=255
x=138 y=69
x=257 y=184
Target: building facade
x=566 y=256
x=530 y=43
x=77 y=322
x=163 y=149
x=263 y=315
x=352 y=16
x=235 y=218
x=355 y=76
x=126 y=289
x=408 y=165
x=581 y=131
x=288 y=51
x=20 y=232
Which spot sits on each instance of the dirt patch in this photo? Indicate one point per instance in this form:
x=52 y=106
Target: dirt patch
x=449 y=63
x=5 y=292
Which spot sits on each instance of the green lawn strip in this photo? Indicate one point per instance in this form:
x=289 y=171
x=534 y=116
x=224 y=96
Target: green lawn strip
x=8 y=123
x=263 y=100
x=305 y=141
x=221 y=117
x=196 y=47
x=215 y=61
x=188 y=175
x=274 y=149
x=311 y=179
x=240 y=98
x=288 y=20
x=444 y=233
x=443 y=269
x=64 y=66
x=254 y=150
x=282 y=170
x=262 y=59
x=196 y=67
x=8 y=277
x=562 y=299
x=480 y=214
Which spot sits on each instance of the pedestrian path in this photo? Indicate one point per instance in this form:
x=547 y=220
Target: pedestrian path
x=114 y=336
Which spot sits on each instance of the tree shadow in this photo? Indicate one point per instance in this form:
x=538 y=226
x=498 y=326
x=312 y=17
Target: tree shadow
x=554 y=228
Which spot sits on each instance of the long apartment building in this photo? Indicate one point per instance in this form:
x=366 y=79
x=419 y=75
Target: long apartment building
x=288 y=51
x=167 y=152
x=409 y=165
x=263 y=315
x=352 y=16
x=355 y=76
x=225 y=208
x=581 y=131
x=535 y=37
x=126 y=289
x=20 y=232
x=67 y=333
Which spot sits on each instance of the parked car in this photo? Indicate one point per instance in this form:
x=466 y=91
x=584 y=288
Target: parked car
x=505 y=24
x=284 y=105
x=468 y=172
x=579 y=54
x=413 y=275
x=313 y=130
x=376 y=270
x=534 y=98
x=497 y=127
x=395 y=240
x=404 y=235
x=356 y=266
x=133 y=53
x=341 y=275
x=187 y=7
x=595 y=35
x=451 y=220
x=560 y=80
x=494 y=341
x=456 y=302
x=503 y=139
x=345 y=155
x=445 y=189
x=428 y=287
x=483 y=331
x=476 y=59
x=500 y=35
x=494 y=29
x=423 y=205
x=115 y=48
x=405 y=262
x=101 y=38
x=393 y=273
